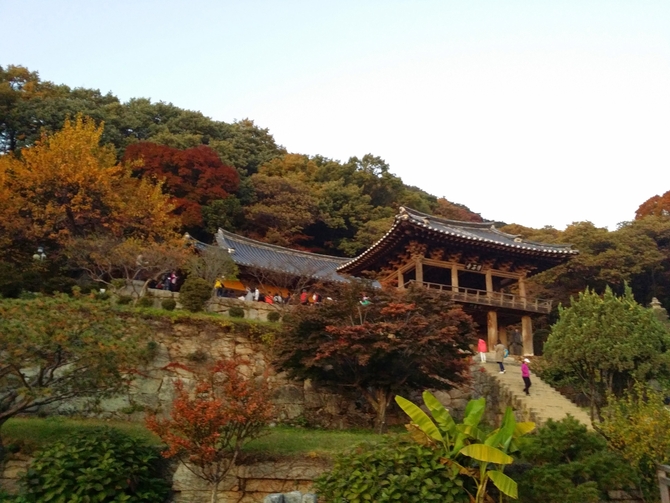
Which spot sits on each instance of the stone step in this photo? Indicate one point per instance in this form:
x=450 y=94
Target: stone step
x=543 y=403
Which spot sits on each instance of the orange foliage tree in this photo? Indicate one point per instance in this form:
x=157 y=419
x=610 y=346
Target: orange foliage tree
x=67 y=185
x=207 y=428
x=657 y=205
x=193 y=177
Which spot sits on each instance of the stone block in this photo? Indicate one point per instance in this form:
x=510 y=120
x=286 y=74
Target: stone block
x=274 y=498
x=287 y=394
x=458 y=404
x=184 y=480
x=456 y=393
x=293 y=497
x=443 y=397
x=309 y=498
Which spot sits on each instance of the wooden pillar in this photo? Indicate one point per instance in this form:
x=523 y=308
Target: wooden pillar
x=401 y=280
x=454 y=278
x=492 y=326
x=419 y=270
x=527 y=335
x=522 y=288
x=502 y=335
x=489 y=281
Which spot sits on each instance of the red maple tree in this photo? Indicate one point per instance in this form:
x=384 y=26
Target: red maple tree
x=208 y=426
x=193 y=177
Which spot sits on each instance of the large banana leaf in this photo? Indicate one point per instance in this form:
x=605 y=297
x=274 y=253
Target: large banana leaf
x=487 y=454
x=474 y=411
x=420 y=418
x=504 y=483
x=439 y=413
x=523 y=428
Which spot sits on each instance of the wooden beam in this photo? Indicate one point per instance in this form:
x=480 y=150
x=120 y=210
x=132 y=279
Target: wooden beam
x=401 y=280
x=454 y=278
x=489 y=281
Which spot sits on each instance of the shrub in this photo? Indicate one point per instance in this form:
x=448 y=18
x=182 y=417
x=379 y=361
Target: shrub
x=145 y=301
x=102 y=465
x=124 y=300
x=390 y=471
x=194 y=293
x=61 y=284
x=236 y=312
x=11 y=282
x=565 y=463
x=169 y=304
x=197 y=356
x=636 y=425
x=274 y=316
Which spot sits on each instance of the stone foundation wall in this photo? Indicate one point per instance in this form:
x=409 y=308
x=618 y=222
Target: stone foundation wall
x=251 y=483
x=193 y=344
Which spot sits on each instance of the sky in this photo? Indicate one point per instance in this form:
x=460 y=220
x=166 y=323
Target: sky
x=533 y=112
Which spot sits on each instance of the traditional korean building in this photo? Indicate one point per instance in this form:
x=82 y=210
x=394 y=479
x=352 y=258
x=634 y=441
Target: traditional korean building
x=475 y=264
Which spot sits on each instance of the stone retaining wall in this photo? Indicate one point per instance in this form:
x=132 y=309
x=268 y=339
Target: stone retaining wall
x=252 y=483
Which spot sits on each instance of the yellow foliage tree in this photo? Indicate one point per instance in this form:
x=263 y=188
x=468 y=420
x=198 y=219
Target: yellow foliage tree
x=67 y=185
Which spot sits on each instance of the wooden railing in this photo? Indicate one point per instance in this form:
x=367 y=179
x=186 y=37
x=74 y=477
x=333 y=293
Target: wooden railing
x=485 y=298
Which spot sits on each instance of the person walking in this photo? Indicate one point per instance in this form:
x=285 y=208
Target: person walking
x=500 y=356
x=481 y=347
x=525 y=374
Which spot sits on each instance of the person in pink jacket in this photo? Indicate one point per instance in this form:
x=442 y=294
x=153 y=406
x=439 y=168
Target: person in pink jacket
x=481 y=347
x=525 y=374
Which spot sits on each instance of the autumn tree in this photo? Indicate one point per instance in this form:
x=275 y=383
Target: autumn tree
x=402 y=340
x=193 y=177
x=209 y=425
x=55 y=349
x=603 y=344
x=68 y=186
x=106 y=258
x=657 y=205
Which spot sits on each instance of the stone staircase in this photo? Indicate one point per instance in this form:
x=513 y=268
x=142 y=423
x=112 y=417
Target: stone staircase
x=544 y=402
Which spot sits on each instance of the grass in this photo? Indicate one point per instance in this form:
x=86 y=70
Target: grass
x=30 y=434
x=286 y=440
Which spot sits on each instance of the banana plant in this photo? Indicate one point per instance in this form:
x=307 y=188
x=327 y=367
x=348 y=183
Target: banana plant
x=466 y=440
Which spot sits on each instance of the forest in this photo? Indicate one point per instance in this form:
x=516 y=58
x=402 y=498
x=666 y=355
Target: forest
x=80 y=170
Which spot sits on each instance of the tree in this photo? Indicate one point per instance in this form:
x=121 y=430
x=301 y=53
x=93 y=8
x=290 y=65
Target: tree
x=107 y=258
x=68 y=186
x=54 y=349
x=656 y=205
x=402 y=340
x=636 y=425
x=193 y=177
x=606 y=343
x=283 y=208
x=208 y=427
x=210 y=263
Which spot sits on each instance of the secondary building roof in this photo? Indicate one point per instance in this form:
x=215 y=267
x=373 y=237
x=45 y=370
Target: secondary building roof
x=251 y=253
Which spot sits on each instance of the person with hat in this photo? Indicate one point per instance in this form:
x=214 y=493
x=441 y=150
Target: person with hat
x=525 y=374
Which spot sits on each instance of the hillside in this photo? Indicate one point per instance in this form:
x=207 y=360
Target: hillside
x=225 y=175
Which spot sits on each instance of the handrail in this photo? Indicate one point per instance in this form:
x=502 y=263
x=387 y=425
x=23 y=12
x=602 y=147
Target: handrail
x=474 y=296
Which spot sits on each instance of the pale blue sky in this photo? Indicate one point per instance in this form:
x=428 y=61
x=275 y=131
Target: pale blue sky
x=534 y=112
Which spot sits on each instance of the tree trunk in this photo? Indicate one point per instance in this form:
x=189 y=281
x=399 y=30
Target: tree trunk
x=215 y=490
x=382 y=399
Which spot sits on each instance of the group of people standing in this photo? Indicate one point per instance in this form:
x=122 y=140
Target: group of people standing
x=500 y=354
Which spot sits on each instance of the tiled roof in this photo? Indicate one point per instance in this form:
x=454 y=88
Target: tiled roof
x=483 y=234
x=252 y=253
